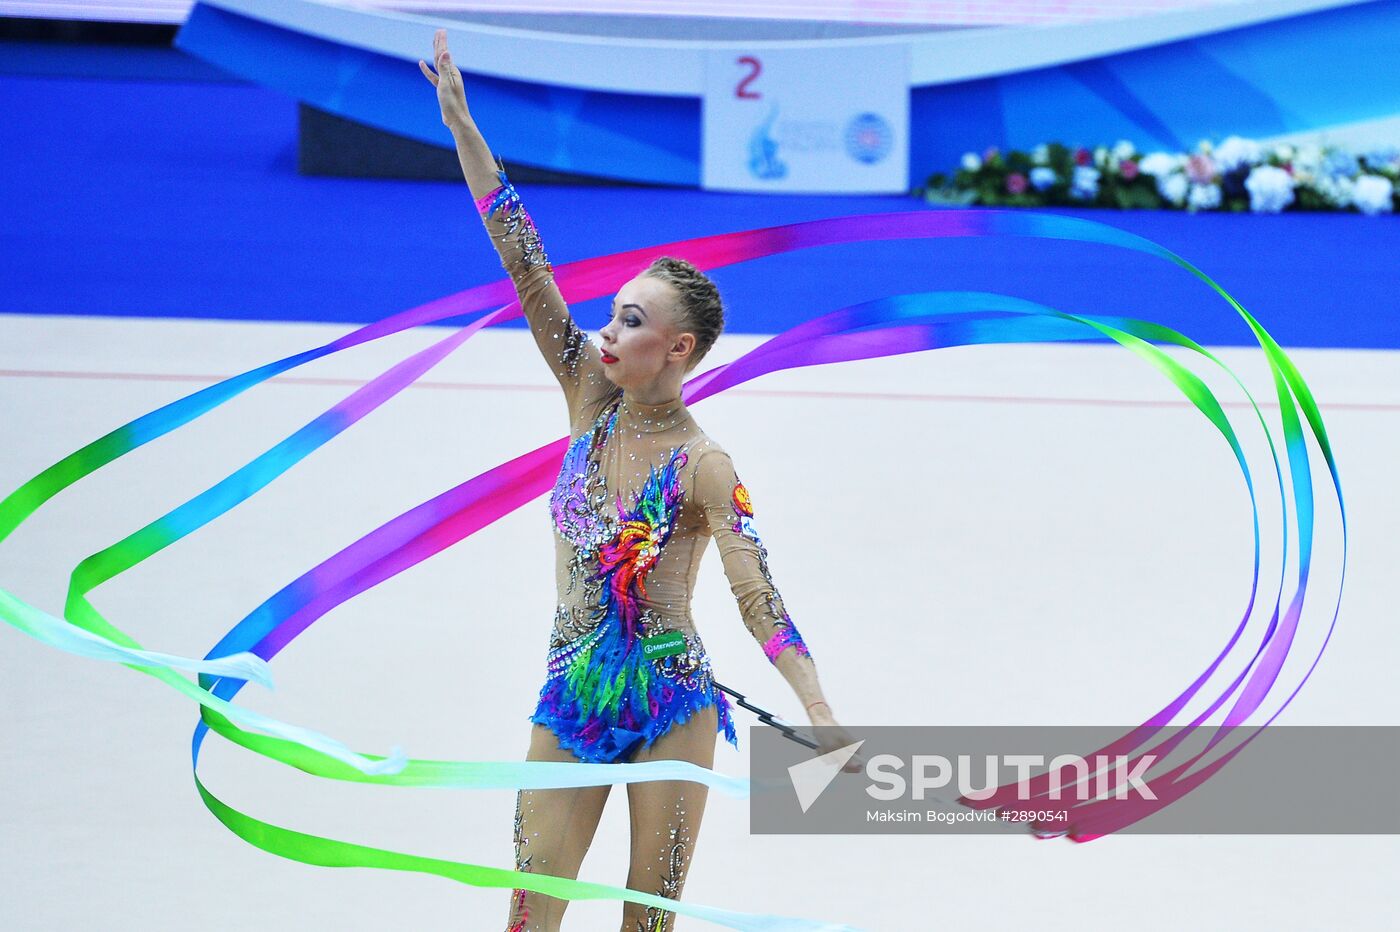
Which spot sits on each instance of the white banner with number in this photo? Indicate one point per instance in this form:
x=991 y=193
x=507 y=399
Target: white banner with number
x=811 y=120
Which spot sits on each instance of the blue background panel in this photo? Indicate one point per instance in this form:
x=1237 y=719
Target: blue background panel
x=1300 y=73
x=180 y=199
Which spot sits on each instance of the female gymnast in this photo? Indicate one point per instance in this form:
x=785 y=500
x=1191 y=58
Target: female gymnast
x=641 y=491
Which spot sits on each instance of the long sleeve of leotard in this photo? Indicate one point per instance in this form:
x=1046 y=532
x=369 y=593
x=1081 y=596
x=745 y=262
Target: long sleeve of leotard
x=729 y=516
x=572 y=357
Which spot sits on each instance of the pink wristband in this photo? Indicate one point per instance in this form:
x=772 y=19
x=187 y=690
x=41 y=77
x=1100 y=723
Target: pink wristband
x=483 y=202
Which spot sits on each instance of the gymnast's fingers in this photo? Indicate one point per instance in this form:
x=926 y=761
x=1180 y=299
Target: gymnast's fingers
x=440 y=54
x=427 y=72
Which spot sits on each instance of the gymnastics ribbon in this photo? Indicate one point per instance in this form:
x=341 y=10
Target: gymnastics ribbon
x=474 y=508
x=1217 y=416
x=1043 y=336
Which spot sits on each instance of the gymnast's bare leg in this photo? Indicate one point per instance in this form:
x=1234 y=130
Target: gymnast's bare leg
x=553 y=829
x=666 y=820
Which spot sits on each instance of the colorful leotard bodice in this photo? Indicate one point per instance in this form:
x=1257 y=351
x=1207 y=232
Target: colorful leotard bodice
x=640 y=493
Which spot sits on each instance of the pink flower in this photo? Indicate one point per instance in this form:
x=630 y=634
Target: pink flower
x=1082 y=156
x=1015 y=183
x=1200 y=168
x=1128 y=169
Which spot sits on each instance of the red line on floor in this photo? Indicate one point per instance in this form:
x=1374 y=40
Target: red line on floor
x=791 y=393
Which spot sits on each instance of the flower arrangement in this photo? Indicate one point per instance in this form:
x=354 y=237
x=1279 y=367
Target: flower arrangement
x=1236 y=175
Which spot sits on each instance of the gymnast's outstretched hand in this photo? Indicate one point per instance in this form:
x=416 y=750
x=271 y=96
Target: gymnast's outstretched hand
x=831 y=736
x=452 y=96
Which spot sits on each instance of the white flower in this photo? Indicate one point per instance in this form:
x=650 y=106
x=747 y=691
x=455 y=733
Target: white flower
x=1100 y=155
x=1173 y=187
x=1270 y=189
x=1204 y=196
x=1204 y=146
x=1372 y=194
x=1040 y=155
x=1283 y=151
x=1234 y=152
x=1337 y=191
x=1307 y=163
x=1158 y=164
x=1086 y=182
x=1042 y=177
x=1340 y=162
x=971 y=161
x=1123 y=149
x=1308 y=157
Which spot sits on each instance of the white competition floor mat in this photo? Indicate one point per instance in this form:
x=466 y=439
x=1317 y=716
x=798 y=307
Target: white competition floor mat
x=959 y=534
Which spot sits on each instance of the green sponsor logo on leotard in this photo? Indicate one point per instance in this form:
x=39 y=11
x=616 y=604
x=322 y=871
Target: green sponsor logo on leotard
x=663 y=645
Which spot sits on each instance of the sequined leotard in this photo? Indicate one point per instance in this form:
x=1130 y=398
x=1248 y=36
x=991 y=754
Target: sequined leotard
x=640 y=493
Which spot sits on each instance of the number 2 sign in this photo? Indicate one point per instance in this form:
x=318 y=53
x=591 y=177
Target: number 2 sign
x=815 y=118
x=755 y=68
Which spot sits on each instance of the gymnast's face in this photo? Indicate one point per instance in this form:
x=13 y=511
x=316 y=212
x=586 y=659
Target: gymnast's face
x=641 y=341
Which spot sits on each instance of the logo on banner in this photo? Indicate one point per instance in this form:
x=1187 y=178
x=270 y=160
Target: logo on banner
x=869 y=138
x=763 y=150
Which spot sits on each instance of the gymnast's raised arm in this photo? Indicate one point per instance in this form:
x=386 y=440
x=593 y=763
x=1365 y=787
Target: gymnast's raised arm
x=572 y=357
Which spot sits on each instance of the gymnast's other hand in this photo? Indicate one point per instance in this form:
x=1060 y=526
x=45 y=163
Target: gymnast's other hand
x=452 y=97
x=831 y=737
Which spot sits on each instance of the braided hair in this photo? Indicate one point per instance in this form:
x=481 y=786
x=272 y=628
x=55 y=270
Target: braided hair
x=699 y=308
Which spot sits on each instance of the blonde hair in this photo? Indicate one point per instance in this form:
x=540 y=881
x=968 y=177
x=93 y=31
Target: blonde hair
x=699 y=308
